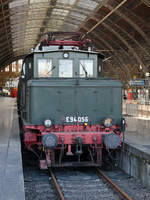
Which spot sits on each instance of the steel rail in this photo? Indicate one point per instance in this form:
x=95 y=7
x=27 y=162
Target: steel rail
x=56 y=185
x=121 y=193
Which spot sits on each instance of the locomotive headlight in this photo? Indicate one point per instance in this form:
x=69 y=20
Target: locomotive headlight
x=108 y=122
x=47 y=123
x=65 y=55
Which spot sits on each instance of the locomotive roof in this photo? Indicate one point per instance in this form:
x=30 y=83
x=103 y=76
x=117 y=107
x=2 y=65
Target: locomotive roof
x=69 y=50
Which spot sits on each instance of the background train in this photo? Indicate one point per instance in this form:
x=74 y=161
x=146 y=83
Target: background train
x=69 y=114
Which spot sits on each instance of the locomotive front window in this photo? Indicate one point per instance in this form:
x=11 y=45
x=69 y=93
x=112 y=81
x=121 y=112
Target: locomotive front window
x=86 y=68
x=65 y=68
x=44 y=68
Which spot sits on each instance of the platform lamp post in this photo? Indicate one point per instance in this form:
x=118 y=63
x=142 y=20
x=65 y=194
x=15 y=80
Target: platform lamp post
x=123 y=128
x=147 y=83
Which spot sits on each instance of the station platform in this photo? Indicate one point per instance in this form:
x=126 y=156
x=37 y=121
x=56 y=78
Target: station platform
x=138 y=146
x=138 y=132
x=136 y=152
x=137 y=140
x=11 y=172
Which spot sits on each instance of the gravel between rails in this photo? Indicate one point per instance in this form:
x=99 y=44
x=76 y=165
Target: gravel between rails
x=36 y=182
x=83 y=184
x=39 y=186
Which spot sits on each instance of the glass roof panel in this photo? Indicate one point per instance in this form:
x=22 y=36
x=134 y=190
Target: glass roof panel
x=60 y=12
x=91 y=5
x=67 y=2
x=17 y=3
x=32 y=18
x=39 y=1
x=78 y=15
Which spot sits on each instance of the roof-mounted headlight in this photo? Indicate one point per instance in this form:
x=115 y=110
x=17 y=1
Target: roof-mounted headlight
x=108 y=122
x=66 y=55
x=47 y=123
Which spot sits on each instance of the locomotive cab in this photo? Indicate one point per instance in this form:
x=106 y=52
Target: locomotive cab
x=69 y=114
x=62 y=64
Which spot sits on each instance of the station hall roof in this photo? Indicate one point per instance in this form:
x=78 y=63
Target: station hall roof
x=120 y=29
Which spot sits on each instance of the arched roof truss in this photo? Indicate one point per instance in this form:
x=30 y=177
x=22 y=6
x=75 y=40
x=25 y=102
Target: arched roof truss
x=120 y=29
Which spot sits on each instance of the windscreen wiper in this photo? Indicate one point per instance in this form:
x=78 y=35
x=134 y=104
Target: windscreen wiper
x=86 y=74
x=51 y=69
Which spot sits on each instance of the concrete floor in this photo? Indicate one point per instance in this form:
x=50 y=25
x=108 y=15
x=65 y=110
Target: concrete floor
x=11 y=176
x=137 y=139
x=138 y=130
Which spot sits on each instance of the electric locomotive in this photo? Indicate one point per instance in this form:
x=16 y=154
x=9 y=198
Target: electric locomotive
x=69 y=113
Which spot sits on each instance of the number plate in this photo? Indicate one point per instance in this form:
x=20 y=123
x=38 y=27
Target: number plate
x=69 y=119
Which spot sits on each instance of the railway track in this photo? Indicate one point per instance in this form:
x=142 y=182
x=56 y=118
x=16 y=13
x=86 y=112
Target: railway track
x=89 y=185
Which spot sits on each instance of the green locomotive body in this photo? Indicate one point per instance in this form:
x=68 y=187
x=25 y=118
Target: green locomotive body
x=66 y=107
